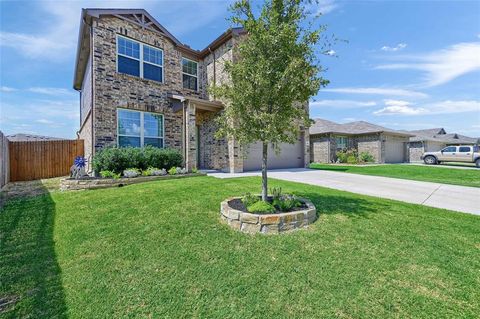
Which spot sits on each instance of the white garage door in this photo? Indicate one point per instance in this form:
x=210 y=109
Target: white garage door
x=291 y=156
x=394 y=149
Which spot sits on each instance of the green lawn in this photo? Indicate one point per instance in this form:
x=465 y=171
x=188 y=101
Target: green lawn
x=158 y=250
x=465 y=177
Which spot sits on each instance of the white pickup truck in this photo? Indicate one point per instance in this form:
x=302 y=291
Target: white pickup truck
x=462 y=153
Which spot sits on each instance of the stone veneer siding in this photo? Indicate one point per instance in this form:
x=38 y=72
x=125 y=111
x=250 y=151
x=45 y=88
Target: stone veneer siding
x=415 y=151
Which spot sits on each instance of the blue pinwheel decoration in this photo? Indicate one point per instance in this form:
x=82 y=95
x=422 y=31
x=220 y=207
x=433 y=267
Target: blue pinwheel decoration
x=80 y=161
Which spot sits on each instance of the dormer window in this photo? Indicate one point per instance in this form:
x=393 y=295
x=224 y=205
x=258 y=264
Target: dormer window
x=190 y=74
x=138 y=59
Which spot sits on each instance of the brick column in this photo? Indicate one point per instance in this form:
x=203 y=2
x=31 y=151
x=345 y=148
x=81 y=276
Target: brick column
x=306 y=147
x=191 y=137
x=235 y=157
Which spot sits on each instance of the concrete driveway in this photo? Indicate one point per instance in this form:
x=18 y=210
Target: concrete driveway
x=458 y=198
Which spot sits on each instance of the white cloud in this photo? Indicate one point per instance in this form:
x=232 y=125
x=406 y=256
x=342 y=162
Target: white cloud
x=44 y=121
x=331 y=52
x=58 y=41
x=322 y=6
x=398 y=47
x=442 y=66
x=343 y=104
x=399 y=107
x=51 y=91
x=7 y=89
x=377 y=91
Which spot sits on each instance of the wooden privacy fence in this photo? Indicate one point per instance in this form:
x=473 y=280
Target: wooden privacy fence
x=42 y=159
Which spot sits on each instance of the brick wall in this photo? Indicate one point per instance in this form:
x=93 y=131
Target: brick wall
x=371 y=144
x=320 y=148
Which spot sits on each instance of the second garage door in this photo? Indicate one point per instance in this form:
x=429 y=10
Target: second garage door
x=395 y=149
x=291 y=156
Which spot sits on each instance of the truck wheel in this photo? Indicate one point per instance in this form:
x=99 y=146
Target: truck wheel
x=430 y=160
x=477 y=162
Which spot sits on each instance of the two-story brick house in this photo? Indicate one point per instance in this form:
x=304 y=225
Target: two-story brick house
x=139 y=85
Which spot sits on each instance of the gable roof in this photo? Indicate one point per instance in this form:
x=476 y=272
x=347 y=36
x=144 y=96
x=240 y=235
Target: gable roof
x=322 y=126
x=440 y=135
x=140 y=17
x=431 y=131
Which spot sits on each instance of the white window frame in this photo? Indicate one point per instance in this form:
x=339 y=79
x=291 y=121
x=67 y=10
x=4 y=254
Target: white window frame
x=195 y=76
x=140 y=59
x=142 y=129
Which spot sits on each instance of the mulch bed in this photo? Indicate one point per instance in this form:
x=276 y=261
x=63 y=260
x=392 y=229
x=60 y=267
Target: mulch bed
x=237 y=204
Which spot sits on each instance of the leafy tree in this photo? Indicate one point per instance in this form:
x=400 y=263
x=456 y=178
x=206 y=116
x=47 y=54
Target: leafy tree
x=274 y=73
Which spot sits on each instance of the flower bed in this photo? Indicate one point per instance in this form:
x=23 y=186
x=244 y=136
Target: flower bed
x=96 y=182
x=240 y=219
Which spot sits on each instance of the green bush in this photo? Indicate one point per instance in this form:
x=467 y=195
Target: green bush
x=109 y=174
x=249 y=199
x=347 y=156
x=366 y=157
x=118 y=159
x=351 y=159
x=342 y=156
x=261 y=207
x=172 y=171
x=286 y=203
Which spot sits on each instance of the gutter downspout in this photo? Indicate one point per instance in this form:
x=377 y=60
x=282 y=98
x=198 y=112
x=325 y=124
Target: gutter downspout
x=92 y=94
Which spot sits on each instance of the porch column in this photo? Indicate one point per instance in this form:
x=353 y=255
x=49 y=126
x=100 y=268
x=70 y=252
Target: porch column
x=191 y=137
x=235 y=157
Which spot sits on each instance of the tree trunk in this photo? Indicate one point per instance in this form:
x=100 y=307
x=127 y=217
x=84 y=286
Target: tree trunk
x=264 y=171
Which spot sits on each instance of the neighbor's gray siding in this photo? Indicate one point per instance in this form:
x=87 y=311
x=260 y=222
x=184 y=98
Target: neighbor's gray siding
x=86 y=93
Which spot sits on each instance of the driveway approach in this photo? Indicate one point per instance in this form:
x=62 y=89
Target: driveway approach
x=459 y=198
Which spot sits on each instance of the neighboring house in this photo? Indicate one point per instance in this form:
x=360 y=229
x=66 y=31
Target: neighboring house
x=432 y=140
x=21 y=137
x=139 y=85
x=386 y=145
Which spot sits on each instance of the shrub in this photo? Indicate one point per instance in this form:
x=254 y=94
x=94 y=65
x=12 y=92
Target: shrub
x=366 y=157
x=172 y=171
x=342 y=156
x=194 y=170
x=109 y=174
x=118 y=159
x=249 y=199
x=347 y=156
x=351 y=159
x=276 y=192
x=182 y=170
x=261 y=207
x=153 y=171
x=286 y=203
x=131 y=172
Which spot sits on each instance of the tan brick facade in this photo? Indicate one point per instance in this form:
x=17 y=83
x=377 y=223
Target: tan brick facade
x=190 y=128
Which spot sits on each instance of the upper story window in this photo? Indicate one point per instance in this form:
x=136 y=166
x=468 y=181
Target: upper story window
x=138 y=129
x=190 y=74
x=139 y=59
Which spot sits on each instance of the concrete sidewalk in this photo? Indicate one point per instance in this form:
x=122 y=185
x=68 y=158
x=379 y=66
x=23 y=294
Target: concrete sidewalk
x=459 y=198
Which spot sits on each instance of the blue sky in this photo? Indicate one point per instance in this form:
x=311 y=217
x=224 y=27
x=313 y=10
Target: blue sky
x=406 y=65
